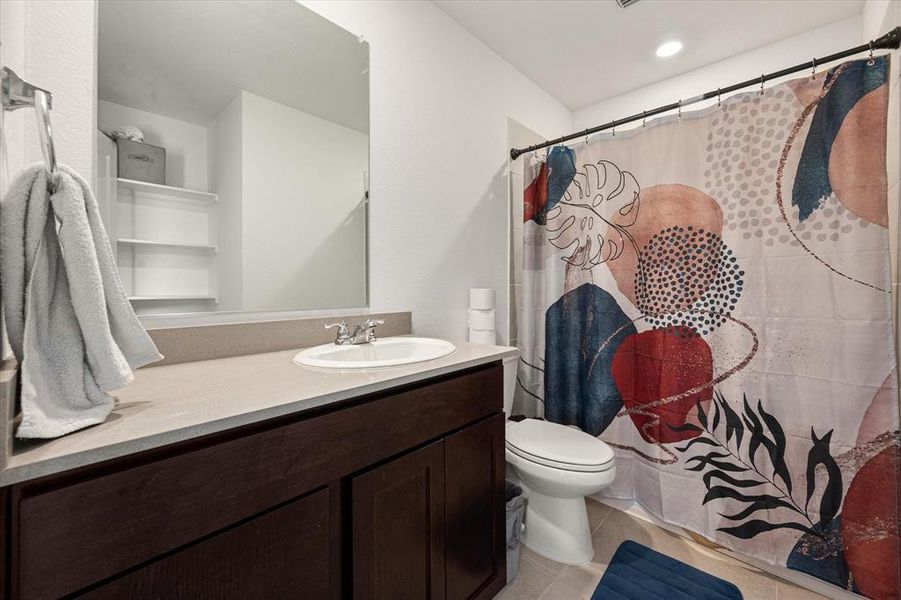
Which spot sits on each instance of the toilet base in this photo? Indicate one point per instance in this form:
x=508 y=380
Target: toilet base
x=557 y=528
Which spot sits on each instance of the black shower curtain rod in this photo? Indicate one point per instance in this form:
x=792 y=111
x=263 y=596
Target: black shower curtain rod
x=888 y=41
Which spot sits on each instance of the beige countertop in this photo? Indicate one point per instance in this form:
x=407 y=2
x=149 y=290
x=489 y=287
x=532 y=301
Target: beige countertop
x=178 y=402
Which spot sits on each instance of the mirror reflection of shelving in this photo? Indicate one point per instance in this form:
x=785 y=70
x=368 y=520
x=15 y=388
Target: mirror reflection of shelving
x=164 y=238
x=166 y=245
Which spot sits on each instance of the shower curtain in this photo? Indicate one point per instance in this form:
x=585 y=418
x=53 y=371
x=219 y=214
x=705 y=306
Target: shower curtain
x=709 y=294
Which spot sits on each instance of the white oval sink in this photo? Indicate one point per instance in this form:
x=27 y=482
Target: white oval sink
x=388 y=352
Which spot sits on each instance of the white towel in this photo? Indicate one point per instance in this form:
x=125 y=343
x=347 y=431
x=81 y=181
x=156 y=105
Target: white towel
x=69 y=321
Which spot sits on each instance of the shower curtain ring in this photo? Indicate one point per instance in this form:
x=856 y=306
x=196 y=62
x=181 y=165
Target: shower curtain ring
x=644 y=118
x=614 y=128
x=587 y=135
x=762 y=79
x=871 y=60
x=680 y=108
x=719 y=100
x=813 y=71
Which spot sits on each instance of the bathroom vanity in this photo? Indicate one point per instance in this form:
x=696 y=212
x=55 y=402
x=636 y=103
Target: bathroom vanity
x=318 y=487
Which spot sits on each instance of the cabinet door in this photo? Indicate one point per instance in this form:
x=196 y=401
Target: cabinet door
x=398 y=528
x=474 y=509
x=283 y=553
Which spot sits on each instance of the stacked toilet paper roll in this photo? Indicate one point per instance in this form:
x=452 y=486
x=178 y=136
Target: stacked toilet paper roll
x=482 y=316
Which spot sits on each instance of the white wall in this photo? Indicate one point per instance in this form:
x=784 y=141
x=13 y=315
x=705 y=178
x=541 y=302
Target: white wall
x=439 y=102
x=879 y=16
x=52 y=45
x=226 y=179
x=790 y=51
x=12 y=124
x=291 y=218
x=35 y=35
x=303 y=203
x=185 y=143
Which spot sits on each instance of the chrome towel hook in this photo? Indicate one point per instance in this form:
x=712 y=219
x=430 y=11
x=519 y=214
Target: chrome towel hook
x=16 y=93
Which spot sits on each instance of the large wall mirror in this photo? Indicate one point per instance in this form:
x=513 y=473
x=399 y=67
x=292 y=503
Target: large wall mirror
x=233 y=155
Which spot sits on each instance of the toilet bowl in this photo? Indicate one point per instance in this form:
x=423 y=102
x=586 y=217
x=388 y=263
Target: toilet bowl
x=557 y=467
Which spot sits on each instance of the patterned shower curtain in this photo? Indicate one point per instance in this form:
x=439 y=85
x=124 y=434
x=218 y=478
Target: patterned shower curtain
x=710 y=295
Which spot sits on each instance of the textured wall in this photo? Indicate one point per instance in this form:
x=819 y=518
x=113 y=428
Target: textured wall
x=51 y=44
x=61 y=55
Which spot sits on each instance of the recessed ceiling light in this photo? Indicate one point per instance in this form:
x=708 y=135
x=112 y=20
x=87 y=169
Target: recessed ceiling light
x=667 y=49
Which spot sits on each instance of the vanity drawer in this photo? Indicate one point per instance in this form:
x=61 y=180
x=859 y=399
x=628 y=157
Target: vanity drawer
x=75 y=531
x=283 y=553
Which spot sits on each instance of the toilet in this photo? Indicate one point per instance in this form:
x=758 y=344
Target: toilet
x=557 y=467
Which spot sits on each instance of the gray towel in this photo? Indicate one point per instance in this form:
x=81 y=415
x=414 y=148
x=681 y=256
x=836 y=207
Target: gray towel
x=69 y=321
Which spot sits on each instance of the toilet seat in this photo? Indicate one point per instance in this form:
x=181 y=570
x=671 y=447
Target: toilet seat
x=558 y=446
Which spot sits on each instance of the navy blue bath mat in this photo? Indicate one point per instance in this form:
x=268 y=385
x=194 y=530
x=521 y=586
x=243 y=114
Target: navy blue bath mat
x=639 y=573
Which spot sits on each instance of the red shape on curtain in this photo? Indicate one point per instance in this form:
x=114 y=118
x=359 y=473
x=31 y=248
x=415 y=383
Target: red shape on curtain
x=657 y=364
x=535 y=195
x=870 y=525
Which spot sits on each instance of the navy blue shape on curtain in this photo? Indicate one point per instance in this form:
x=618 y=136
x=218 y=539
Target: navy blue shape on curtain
x=821 y=554
x=576 y=327
x=812 y=181
x=561 y=164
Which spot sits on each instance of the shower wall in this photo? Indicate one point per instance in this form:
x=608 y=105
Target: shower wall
x=518 y=136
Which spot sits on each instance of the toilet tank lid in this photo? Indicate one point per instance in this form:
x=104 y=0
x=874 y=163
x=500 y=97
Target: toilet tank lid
x=558 y=443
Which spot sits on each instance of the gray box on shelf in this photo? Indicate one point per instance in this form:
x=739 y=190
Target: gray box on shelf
x=140 y=161
x=516 y=507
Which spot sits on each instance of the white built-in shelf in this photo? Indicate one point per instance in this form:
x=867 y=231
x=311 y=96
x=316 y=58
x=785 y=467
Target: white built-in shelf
x=172 y=245
x=168 y=191
x=173 y=297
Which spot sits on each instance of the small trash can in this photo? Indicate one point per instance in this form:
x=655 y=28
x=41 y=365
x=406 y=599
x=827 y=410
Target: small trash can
x=516 y=508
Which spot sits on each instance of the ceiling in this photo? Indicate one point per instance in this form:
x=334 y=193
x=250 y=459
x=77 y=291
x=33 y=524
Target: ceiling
x=187 y=60
x=585 y=51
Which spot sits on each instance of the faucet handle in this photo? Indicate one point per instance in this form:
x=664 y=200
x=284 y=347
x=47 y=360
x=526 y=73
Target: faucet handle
x=341 y=325
x=369 y=326
x=343 y=335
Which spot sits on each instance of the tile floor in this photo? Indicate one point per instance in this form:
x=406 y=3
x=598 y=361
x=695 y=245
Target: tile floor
x=543 y=579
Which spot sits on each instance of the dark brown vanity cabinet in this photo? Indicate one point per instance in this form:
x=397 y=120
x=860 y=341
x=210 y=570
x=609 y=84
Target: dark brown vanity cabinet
x=394 y=495
x=426 y=525
x=399 y=529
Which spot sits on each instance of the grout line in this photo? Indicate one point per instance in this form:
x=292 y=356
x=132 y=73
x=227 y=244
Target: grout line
x=610 y=510
x=543 y=595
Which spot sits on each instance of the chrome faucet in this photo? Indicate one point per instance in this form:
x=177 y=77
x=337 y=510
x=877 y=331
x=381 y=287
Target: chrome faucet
x=361 y=334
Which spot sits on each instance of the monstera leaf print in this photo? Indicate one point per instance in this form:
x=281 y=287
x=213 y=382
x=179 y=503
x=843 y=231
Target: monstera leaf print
x=594 y=214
